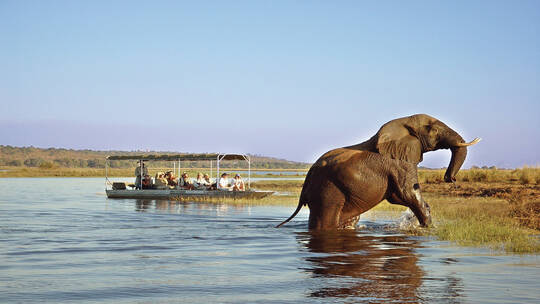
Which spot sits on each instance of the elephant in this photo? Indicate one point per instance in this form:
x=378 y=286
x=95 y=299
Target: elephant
x=345 y=182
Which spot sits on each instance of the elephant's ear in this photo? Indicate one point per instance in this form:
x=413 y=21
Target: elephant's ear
x=399 y=143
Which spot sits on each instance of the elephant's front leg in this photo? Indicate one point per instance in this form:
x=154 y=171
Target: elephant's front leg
x=421 y=207
x=411 y=197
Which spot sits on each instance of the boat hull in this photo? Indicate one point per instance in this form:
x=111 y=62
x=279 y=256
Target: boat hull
x=186 y=194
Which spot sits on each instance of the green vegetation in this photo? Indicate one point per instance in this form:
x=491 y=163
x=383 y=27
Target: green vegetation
x=32 y=157
x=481 y=221
x=54 y=171
x=62 y=172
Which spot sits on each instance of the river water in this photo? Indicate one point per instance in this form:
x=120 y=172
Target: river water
x=63 y=241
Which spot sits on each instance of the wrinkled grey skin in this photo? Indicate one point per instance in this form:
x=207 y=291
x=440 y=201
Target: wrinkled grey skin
x=345 y=182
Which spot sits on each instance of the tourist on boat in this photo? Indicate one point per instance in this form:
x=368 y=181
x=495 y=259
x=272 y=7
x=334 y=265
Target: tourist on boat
x=138 y=174
x=208 y=183
x=225 y=183
x=171 y=180
x=238 y=183
x=199 y=180
x=161 y=182
x=207 y=180
x=185 y=182
x=200 y=183
x=147 y=182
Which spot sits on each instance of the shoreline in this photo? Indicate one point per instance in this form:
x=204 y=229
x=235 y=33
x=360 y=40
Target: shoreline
x=16 y=172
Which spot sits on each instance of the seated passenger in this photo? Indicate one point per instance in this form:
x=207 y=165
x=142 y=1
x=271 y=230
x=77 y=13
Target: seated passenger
x=147 y=182
x=200 y=183
x=207 y=180
x=224 y=182
x=171 y=180
x=161 y=182
x=238 y=183
x=185 y=182
x=209 y=183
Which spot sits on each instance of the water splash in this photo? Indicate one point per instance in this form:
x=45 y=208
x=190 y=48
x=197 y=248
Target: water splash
x=408 y=220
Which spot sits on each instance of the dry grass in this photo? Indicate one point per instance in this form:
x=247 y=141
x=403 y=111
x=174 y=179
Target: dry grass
x=386 y=206
x=525 y=175
x=470 y=214
x=293 y=187
x=475 y=221
x=55 y=171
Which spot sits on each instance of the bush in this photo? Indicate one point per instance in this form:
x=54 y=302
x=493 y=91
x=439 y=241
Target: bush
x=33 y=162
x=430 y=176
x=15 y=163
x=528 y=175
x=47 y=165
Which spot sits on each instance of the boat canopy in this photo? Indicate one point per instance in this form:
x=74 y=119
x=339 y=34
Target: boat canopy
x=182 y=157
x=179 y=157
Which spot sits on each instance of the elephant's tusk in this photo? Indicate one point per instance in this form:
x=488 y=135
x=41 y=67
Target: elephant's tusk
x=475 y=141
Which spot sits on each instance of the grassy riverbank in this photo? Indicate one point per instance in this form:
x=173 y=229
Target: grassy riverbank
x=499 y=215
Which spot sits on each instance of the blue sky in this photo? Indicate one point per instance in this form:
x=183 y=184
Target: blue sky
x=289 y=79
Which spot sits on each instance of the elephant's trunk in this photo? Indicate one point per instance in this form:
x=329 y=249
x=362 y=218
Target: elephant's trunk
x=454 y=141
x=458 y=146
x=458 y=158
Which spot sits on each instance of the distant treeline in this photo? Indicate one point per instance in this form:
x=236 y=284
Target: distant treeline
x=67 y=158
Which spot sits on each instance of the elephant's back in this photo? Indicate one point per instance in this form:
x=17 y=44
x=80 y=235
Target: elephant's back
x=328 y=168
x=358 y=174
x=342 y=156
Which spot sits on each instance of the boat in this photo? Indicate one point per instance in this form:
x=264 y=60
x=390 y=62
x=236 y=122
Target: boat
x=122 y=190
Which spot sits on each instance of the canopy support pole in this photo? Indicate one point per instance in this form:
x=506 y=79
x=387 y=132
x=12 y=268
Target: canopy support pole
x=249 y=173
x=141 y=173
x=106 y=172
x=217 y=174
x=178 y=175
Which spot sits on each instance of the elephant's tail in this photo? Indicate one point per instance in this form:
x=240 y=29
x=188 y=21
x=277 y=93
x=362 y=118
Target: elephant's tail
x=300 y=205
x=301 y=202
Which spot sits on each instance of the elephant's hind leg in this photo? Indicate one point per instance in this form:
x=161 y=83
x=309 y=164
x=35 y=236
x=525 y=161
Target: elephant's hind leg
x=352 y=209
x=326 y=207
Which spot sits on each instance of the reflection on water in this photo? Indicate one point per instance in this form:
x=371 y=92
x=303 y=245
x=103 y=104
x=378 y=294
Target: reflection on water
x=380 y=268
x=63 y=241
x=145 y=205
